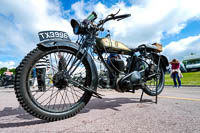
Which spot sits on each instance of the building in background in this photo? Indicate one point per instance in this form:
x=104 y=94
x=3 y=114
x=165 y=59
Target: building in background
x=192 y=62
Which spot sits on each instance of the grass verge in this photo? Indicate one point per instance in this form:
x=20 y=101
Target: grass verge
x=190 y=78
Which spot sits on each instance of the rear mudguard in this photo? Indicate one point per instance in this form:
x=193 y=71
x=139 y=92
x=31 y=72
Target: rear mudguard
x=163 y=60
x=51 y=44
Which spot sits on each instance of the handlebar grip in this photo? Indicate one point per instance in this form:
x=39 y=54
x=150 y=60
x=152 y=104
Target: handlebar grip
x=90 y=18
x=122 y=16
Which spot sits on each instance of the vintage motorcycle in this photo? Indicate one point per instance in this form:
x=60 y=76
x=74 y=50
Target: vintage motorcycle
x=75 y=79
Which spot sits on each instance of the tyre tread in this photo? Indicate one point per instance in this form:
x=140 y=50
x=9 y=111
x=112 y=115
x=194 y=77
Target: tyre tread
x=23 y=101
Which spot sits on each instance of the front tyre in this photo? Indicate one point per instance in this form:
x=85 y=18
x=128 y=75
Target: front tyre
x=55 y=92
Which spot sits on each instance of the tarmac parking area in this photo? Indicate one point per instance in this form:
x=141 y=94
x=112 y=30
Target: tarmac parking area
x=177 y=111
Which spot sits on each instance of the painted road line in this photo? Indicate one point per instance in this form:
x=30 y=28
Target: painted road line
x=180 y=98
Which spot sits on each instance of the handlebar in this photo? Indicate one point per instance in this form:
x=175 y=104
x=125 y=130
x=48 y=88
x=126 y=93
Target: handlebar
x=81 y=27
x=119 y=17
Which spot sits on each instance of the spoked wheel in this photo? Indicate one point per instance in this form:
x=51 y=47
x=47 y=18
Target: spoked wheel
x=156 y=79
x=57 y=92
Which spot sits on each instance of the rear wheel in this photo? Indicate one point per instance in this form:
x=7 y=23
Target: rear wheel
x=57 y=92
x=155 y=78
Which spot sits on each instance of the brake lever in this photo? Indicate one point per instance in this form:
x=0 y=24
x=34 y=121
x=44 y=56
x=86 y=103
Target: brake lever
x=113 y=15
x=117 y=12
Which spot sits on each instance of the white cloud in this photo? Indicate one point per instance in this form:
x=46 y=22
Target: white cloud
x=20 y=21
x=9 y=64
x=183 y=47
x=149 y=20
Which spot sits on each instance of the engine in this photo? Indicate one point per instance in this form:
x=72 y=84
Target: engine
x=104 y=81
x=130 y=81
x=123 y=83
x=138 y=75
x=115 y=62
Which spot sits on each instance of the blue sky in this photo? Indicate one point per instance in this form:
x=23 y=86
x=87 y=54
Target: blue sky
x=174 y=23
x=192 y=29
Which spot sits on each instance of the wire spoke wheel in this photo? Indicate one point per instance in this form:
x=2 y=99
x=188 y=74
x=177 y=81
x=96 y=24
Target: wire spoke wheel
x=49 y=91
x=156 y=80
x=57 y=94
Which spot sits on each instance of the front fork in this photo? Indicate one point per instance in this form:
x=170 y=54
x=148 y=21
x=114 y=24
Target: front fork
x=70 y=72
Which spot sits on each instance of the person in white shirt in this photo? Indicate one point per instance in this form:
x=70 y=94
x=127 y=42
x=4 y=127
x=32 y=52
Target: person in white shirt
x=41 y=67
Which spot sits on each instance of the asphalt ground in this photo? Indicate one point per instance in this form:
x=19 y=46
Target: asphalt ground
x=177 y=111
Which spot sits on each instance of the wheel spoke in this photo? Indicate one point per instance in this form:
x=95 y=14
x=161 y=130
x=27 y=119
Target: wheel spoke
x=42 y=93
x=156 y=77
x=51 y=98
x=61 y=93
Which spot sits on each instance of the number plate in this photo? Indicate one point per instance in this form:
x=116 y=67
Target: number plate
x=49 y=35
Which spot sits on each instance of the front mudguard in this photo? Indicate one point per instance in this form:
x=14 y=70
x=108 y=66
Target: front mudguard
x=53 y=44
x=163 y=60
x=56 y=43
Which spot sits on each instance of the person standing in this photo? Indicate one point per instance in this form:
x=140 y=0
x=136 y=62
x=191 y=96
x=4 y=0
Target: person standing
x=175 y=72
x=41 y=67
x=62 y=63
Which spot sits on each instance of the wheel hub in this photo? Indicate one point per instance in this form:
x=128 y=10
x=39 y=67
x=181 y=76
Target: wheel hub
x=60 y=80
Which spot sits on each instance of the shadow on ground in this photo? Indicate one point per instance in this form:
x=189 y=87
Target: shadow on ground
x=21 y=124
x=99 y=104
x=19 y=111
x=111 y=103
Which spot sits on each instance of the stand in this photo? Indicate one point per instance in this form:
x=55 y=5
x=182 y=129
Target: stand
x=156 y=101
x=156 y=86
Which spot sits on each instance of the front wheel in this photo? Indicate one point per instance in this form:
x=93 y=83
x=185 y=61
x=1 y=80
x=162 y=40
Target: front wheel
x=47 y=84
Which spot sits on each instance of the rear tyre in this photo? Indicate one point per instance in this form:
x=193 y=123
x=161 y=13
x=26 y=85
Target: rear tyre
x=157 y=81
x=60 y=96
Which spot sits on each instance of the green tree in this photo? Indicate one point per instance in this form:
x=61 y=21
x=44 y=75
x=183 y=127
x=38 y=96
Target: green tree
x=3 y=69
x=12 y=70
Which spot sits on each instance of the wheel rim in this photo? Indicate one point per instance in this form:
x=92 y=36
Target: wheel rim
x=59 y=96
x=156 y=81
